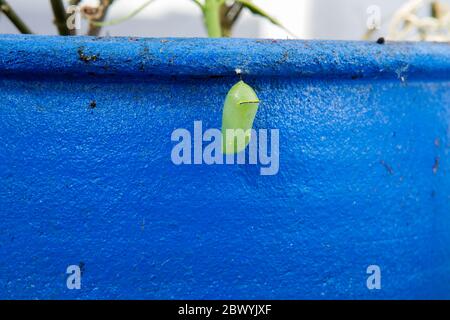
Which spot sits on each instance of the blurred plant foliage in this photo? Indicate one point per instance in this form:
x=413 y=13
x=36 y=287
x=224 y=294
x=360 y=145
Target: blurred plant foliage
x=424 y=20
x=220 y=16
x=419 y=20
x=408 y=24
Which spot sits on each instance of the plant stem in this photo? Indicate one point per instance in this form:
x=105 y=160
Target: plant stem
x=94 y=30
x=436 y=10
x=212 y=18
x=228 y=17
x=13 y=17
x=60 y=17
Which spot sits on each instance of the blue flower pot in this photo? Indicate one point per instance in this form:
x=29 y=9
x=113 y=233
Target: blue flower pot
x=87 y=178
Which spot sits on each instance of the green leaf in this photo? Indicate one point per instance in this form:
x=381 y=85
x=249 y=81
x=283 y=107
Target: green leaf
x=197 y=2
x=260 y=12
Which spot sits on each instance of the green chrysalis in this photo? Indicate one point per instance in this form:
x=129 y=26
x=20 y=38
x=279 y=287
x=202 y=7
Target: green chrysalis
x=241 y=105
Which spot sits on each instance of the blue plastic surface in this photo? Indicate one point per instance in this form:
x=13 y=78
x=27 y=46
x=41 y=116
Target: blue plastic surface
x=86 y=175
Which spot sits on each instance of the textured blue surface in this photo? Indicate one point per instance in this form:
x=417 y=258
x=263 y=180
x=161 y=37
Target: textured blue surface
x=364 y=170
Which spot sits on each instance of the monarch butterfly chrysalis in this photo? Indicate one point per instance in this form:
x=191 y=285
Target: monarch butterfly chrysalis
x=241 y=105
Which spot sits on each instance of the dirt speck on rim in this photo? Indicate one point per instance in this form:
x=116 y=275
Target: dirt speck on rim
x=437 y=142
x=381 y=40
x=387 y=167
x=84 y=57
x=436 y=165
x=267 y=41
